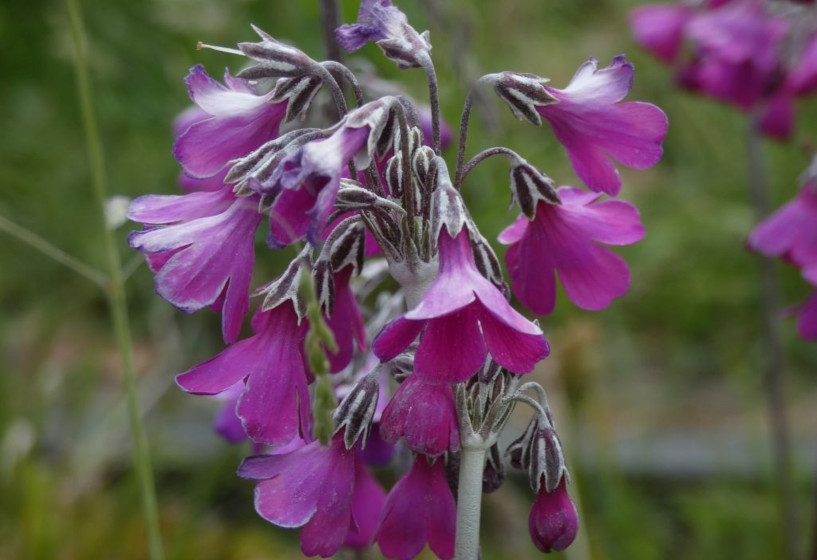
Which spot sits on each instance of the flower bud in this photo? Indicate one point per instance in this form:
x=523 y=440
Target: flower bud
x=287 y=286
x=275 y=59
x=356 y=411
x=553 y=520
x=300 y=91
x=529 y=186
x=522 y=93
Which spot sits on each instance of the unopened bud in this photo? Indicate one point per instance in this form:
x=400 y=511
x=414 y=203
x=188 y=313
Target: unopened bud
x=275 y=59
x=529 y=186
x=553 y=520
x=523 y=93
x=300 y=91
x=356 y=411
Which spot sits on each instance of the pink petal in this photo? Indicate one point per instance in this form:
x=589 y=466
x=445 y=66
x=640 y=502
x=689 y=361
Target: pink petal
x=396 y=337
x=367 y=505
x=169 y=209
x=515 y=351
x=451 y=349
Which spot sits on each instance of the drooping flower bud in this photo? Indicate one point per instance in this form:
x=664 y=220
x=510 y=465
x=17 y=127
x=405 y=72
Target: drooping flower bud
x=553 y=520
x=356 y=410
x=529 y=186
x=274 y=59
x=522 y=93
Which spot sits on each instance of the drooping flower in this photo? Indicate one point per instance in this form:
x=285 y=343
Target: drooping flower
x=419 y=509
x=594 y=125
x=424 y=414
x=201 y=247
x=271 y=364
x=791 y=232
x=306 y=182
x=314 y=488
x=553 y=520
x=567 y=239
x=462 y=316
x=238 y=121
x=659 y=28
x=383 y=23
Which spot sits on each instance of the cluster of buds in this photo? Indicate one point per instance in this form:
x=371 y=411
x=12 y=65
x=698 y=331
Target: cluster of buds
x=791 y=234
x=338 y=375
x=758 y=55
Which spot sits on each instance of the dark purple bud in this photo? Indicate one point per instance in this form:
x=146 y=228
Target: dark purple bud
x=287 y=286
x=448 y=208
x=547 y=460
x=522 y=93
x=324 y=285
x=395 y=179
x=488 y=264
x=346 y=248
x=356 y=410
x=300 y=91
x=421 y=164
x=275 y=59
x=529 y=186
x=494 y=473
x=519 y=449
x=553 y=521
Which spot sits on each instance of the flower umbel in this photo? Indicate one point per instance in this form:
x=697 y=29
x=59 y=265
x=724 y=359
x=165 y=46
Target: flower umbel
x=338 y=374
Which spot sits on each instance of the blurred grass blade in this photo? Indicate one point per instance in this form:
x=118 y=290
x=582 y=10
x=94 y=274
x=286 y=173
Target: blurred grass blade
x=116 y=292
x=49 y=249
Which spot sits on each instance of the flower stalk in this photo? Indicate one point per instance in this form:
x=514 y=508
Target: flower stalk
x=469 y=501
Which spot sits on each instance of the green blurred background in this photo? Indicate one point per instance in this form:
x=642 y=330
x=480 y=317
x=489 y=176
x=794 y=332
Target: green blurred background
x=659 y=397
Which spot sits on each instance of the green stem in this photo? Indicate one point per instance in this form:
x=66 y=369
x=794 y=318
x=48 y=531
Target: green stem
x=116 y=292
x=33 y=240
x=774 y=375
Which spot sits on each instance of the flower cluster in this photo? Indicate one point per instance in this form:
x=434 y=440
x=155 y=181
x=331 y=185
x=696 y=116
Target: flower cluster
x=791 y=234
x=756 y=55
x=339 y=376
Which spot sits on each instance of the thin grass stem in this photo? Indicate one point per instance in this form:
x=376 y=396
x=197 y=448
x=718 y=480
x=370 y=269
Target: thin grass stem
x=116 y=289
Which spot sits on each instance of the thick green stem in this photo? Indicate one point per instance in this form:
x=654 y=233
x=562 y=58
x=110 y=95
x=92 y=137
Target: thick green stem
x=469 y=502
x=116 y=288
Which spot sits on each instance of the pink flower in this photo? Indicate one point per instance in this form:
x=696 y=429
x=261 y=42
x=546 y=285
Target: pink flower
x=739 y=47
x=594 y=126
x=368 y=501
x=459 y=315
x=659 y=28
x=553 y=520
x=791 y=232
x=424 y=414
x=566 y=239
x=419 y=509
x=272 y=365
x=317 y=488
x=201 y=246
x=233 y=121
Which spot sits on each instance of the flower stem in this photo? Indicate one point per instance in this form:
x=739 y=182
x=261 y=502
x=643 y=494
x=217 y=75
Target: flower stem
x=434 y=97
x=469 y=501
x=774 y=381
x=116 y=289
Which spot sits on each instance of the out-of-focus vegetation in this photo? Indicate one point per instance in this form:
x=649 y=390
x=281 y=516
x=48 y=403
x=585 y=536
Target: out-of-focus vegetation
x=660 y=394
